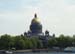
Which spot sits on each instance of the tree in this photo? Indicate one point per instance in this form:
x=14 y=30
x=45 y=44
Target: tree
x=6 y=42
x=28 y=44
x=19 y=43
x=52 y=42
x=34 y=43
x=64 y=41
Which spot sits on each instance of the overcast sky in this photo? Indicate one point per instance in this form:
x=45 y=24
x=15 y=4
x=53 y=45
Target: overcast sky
x=57 y=16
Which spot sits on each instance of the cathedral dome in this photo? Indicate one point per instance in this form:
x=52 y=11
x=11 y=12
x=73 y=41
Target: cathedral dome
x=36 y=26
x=35 y=19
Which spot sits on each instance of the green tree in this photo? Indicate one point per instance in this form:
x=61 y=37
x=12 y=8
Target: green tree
x=64 y=41
x=6 y=42
x=52 y=42
x=34 y=43
x=28 y=44
x=19 y=42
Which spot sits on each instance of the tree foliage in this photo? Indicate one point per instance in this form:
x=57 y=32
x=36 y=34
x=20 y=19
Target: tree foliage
x=23 y=42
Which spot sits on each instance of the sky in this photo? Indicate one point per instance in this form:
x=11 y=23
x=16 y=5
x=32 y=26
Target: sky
x=57 y=16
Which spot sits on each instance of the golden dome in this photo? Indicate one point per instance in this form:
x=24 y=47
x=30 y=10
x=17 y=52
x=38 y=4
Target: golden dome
x=36 y=20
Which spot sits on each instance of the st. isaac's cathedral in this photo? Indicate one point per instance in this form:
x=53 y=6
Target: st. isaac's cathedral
x=36 y=30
